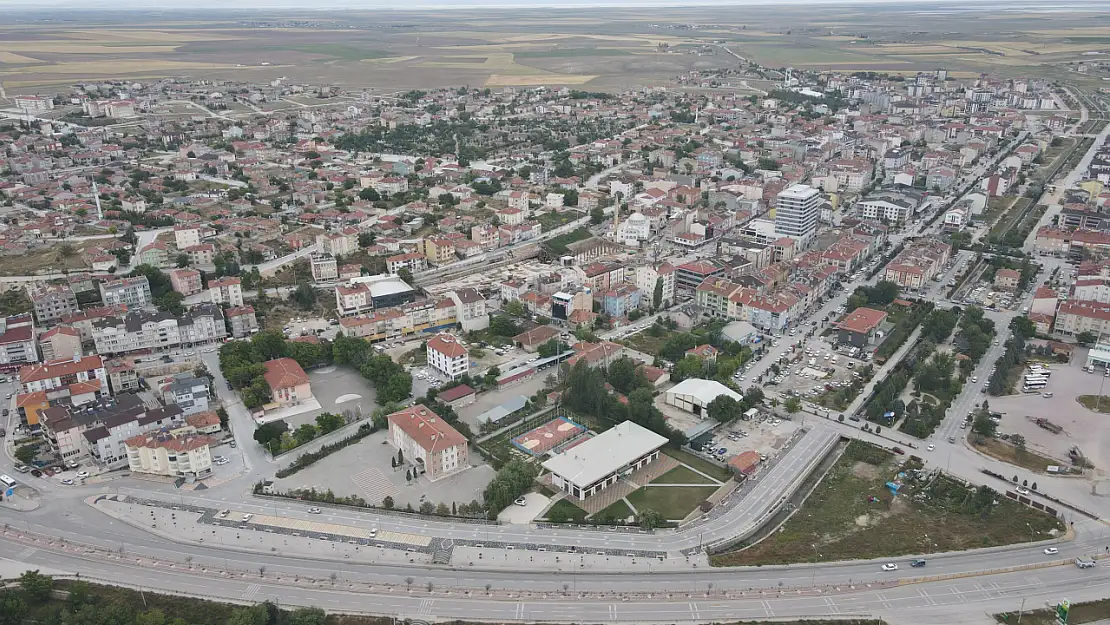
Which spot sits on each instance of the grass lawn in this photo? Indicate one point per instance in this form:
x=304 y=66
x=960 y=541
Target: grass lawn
x=1078 y=613
x=618 y=510
x=844 y=524
x=701 y=464
x=1090 y=401
x=681 y=475
x=673 y=503
x=646 y=343
x=1006 y=452
x=569 y=512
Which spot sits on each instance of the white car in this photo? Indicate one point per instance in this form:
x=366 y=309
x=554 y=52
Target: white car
x=890 y=566
x=931 y=447
x=67 y=482
x=82 y=474
x=314 y=510
x=1051 y=551
x=221 y=462
x=1022 y=490
x=209 y=350
x=520 y=501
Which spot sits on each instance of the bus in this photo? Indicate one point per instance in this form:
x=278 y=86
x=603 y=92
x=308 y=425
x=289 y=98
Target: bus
x=1031 y=381
x=1033 y=387
x=9 y=482
x=1040 y=371
x=1034 y=376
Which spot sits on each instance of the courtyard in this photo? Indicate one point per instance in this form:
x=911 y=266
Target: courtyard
x=338 y=390
x=366 y=470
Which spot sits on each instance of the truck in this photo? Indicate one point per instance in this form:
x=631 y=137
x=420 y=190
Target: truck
x=1048 y=425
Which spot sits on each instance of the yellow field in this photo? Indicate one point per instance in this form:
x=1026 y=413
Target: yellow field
x=11 y=57
x=61 y=46
x=108 y=68
x=501 y=80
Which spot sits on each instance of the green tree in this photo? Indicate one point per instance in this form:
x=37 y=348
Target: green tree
x=515 y=308
x=171 y=302
x=792 y=404
x=305 y=433
x=1018 y=441
x=268 y=433
x=503 y=326
x=1086 y=338
x=983 y=426
x=254 y=615
x=369 y=195
x=657 y=295
x=511 y=481
x=549 y=348
x=328 y=422
x=304 y=297
x=597 y=215
x=388 y=502
x=724 y=409
x=308 y=616
x=25 y=454
x=36 y=586
x=405 y=274
x=649 y=518
x=13 y=609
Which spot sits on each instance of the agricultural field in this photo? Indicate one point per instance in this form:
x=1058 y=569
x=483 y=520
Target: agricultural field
x=611 y=48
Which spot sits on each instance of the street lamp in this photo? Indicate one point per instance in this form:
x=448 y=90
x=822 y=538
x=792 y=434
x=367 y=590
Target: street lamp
x=1030 y=532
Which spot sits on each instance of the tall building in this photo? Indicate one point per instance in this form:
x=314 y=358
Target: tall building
x=797 y=210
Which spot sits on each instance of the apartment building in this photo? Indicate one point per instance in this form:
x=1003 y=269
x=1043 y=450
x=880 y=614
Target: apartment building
x=448 y=356
x=797 y=210
x=59 y=343
x=413 y=261
x=52 y=302
x=185 y=281
x=158 y=330
x=186 y=236
x=1076 y=317
x=130 y=292
x=470 y=309
x=165 y=453
x=227 y=290
x=918 y=263
x=97 y=430
x=339 y=243
x=17 y=341
x=439 y=251
x=243 y=321
x=188 y=392
x=435 y=448
x=426 y=316
x=56 y=374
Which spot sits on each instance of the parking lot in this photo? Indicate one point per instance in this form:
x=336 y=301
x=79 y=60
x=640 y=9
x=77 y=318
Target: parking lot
x=365 y=470
x=818 y=369
x=1081 y=427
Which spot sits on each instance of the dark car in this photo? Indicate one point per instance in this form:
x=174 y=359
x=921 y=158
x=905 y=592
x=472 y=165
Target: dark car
x=36 y=473
x=899 y=451
x=853 y=418
x=917 y=563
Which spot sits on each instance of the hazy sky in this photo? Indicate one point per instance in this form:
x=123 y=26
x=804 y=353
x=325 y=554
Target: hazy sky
x=301 y=5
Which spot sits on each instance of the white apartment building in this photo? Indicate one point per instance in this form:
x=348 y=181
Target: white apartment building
x=448 y=356
x=186 y=236
x=149 y=331
x=470 y=309
x=58 y=373
x=17 y=340
x=226 y=290
x=339 y=243
x=797 y=210
x=162 y=453
x=645 y=279
x=130 y=292
x=33 y=103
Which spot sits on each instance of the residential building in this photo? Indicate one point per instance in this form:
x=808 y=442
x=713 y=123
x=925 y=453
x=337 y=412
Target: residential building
x=596 y=355
x=918 y=263
x=531 y=340
x=158 y=330
x=858 y=328
x=17 y=341
x=797 y=210
x=243 y=321
x=413 y=261
x=470 y=309
x=175 y=455
x=390 y=323
x=689 y=275
x=1007 y=279
x=324 y=268
x=189 y=392
x=448 y=356
x=1075 y=317
x=596 y=464
x=428 y=442
x=439 y=251
x=98 y=429
x=339 y=243
x=204 y=422
x=52 y=302
x=565 y=303
x=368 y=293
x=185 y=281
x=288 y=382
x=227 y=290
x=186 y=236
x=55 y=374
x=60 y=343
x=130 y=292
x=619 y=301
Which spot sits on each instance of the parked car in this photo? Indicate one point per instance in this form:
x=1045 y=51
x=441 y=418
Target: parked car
x=521 y=501
x=1022 y=490
x=899 y=451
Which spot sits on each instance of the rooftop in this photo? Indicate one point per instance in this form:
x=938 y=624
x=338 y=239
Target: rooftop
x=602 y=455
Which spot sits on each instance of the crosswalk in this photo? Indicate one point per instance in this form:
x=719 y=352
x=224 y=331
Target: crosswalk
x=26 y=553
x=251 y=592
x=375 y=484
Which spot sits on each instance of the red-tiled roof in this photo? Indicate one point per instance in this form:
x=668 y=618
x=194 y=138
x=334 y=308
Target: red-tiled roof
x=284 y=373
x=447 y=345
x=426 y=428
x=862 y=320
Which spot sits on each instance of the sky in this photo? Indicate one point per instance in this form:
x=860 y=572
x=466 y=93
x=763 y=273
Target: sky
x=301 y=5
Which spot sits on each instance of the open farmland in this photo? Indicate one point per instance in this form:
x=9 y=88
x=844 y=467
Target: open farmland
x=611 y=48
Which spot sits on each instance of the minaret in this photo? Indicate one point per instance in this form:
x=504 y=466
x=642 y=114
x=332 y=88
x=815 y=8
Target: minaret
x=96 y=196
x=616 y=218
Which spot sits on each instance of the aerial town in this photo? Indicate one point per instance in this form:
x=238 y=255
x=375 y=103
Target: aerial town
x=859 y=318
